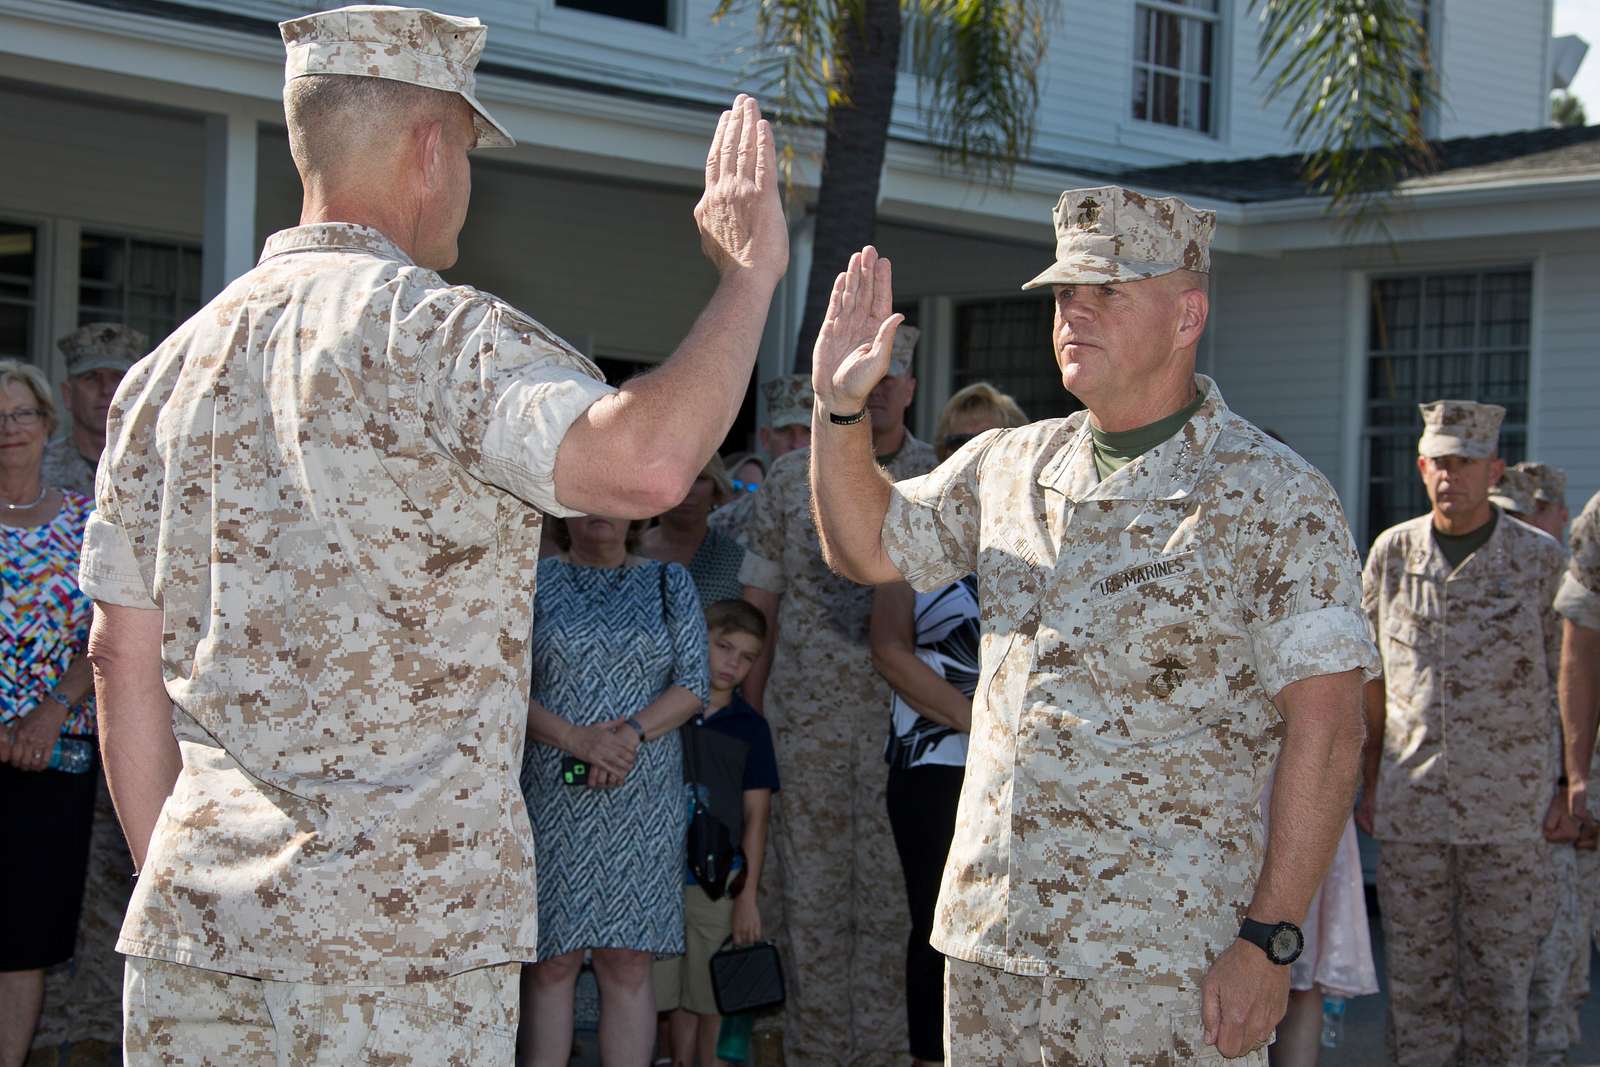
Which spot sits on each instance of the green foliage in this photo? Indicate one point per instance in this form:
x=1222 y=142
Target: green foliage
x=1362 y=83
x=1567 y=110
x=979 y=62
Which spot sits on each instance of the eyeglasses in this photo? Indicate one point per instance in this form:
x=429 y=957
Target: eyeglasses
x=744 y=487
x=26 y=419
x=953 y=441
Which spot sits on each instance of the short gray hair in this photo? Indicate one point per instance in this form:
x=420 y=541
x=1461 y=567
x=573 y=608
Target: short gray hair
x=15 y=372
x=319 y=108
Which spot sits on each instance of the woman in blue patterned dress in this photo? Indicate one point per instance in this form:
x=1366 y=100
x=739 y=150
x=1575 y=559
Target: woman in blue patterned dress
x=683 y=536
x=45 y=697
x=619 y=663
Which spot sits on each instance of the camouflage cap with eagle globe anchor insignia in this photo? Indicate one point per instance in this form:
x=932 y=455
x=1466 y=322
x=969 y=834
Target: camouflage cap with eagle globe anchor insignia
x=1111 y=234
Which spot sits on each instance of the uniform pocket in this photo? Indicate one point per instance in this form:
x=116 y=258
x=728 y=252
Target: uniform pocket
x=1189 y=1040
x=465 y=1020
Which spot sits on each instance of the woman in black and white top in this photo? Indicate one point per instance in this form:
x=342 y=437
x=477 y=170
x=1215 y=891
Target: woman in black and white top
x=926 y=645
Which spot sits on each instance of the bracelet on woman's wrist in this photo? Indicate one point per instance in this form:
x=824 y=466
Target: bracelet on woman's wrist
x=638 y=727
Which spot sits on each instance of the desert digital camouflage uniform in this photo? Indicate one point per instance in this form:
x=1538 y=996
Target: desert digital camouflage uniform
x=92 y=347
x=1550 y=482
x=1135 y=631
x=1468 y=770
x=789 y=401
x=322 y=480
x=83 y=997
x=1579 y=602
x=844 y=916
x=466 y=1020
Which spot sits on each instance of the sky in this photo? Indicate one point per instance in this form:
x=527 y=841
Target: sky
x=1582 y=17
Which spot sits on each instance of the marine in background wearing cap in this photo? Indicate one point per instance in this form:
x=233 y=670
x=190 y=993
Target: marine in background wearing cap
x=1578 y=604
x=313 y=561
x=1550 y=512
x=83 y=998
x=842 y=912
x=788 y=401
x=1461 y=770
x=97 y=355
x=1552 y=994
x=1170 y=608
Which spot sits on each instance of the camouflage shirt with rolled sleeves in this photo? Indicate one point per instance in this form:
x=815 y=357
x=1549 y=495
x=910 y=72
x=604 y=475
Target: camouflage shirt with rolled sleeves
x=1469 y=670
x=322 y=480
x=1579 y=598
x=1134 y=634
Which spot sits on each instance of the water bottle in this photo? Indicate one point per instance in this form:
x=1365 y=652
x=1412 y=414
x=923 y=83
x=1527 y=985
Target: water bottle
x=75 y=755
x=1332 y=1021
x=733 y=1039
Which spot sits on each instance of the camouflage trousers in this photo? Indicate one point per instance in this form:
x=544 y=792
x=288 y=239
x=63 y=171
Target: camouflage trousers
x=1552 y=1014
x=83 y=997
x=177 y=1015
x=843 y=913
x=1461 y=927
x=998 y=1019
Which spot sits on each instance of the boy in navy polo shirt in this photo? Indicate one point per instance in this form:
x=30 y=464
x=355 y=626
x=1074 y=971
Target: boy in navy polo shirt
x=737 y=634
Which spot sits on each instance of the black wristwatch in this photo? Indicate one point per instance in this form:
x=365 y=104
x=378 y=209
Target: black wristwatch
x=1282 y=942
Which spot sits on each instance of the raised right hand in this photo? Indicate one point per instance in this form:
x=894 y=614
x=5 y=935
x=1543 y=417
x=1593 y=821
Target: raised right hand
x=856 y=341
x=603 y=746
x=740 y=216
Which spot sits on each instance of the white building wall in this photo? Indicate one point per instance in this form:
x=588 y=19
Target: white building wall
x=1278 y=342
x=1284 y=335
x=1493 y=60
x=101 y=164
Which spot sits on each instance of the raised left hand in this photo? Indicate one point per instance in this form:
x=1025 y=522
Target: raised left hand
x=857 y=338
x=36 y=735
x=1242 y=998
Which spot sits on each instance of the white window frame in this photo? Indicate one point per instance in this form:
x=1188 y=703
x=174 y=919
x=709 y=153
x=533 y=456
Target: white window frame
x=1359 y=424
x=1140 y=67
x=39 y=343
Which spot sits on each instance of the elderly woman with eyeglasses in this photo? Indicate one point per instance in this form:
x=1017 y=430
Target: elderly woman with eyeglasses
x=47 y=751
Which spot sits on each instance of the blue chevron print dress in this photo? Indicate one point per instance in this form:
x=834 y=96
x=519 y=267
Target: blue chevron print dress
x=607 y=642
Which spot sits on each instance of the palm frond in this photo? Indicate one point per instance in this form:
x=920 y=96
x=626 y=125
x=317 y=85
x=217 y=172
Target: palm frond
x=979 y=62
x=1362 y=82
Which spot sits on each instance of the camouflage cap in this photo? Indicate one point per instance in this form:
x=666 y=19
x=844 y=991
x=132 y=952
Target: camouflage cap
x=789 y=400
x=403 y=44
x=1460 y=428
x=1550 y=483
x=1514 y=492
x=1112 y=234
x=905 y=347
x=102 y=346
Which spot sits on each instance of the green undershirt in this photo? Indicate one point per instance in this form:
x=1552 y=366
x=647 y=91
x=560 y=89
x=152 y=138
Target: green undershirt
x=1113 y=451
x=1457 y=547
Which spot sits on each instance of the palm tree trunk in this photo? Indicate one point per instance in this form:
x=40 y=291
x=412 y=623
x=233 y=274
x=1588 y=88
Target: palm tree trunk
x=852 y=156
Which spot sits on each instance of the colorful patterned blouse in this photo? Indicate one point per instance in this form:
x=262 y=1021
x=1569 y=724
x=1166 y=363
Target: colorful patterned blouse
x=44 y=618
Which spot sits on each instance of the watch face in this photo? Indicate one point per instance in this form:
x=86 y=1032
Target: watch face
x=1285 y=944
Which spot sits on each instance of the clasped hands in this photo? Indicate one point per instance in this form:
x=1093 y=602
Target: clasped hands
x=27 y=743
x=609 y=748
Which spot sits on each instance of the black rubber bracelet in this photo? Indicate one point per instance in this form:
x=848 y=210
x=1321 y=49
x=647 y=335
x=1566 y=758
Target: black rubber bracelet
x=847 y=420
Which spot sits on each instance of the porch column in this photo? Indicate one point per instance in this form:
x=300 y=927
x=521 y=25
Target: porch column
x=229 y=247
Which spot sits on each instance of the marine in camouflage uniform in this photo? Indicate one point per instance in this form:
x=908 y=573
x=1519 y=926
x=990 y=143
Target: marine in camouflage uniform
x=1536 y=494
x=1578 y=602
x=322 y=482
x=1468 y=767
x=789 y=400
x=83 y=997
x=842 y=912
x=1137 y=629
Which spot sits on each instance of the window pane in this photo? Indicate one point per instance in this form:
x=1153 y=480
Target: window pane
x=1007 y=344
x=1164 y=95
x=1197 y=47
x=1450 y=312
x=1141 y=93
x=148 y=285
x=650 y=12
x=1394 y=314
x=17 y=254
x=1167 y=50
x=16 y=331
x=1433 y=337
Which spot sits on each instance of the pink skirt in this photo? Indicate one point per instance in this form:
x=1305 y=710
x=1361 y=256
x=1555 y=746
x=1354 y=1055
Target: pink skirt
x=1338 y=952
